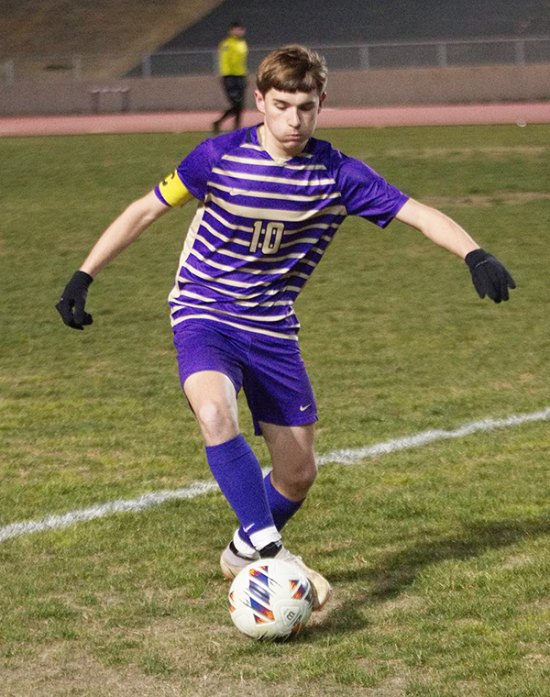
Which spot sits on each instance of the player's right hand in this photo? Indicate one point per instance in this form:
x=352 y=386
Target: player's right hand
x=73 y=299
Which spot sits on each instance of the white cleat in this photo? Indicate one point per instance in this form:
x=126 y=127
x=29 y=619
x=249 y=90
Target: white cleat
x=232 y=562
x=322 y=590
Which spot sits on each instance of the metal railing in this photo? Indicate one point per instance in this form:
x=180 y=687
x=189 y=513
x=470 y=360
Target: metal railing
x=367 y=56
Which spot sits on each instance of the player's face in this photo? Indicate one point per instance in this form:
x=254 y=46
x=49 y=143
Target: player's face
x=290 y=119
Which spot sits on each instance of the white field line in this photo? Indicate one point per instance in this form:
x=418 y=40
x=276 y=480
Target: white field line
x=342 y=457
x=350 y=457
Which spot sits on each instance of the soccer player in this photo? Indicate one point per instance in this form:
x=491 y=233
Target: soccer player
x=270 y=200
x=232 y=59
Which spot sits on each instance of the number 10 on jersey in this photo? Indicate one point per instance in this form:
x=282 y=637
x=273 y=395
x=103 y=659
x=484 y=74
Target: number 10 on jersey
x=268 y=239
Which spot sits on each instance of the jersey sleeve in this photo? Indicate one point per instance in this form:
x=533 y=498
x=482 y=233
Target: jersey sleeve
x=172 y=192
x=194 y=170
x=366 y=193
x=223 y=57
x=189 y=179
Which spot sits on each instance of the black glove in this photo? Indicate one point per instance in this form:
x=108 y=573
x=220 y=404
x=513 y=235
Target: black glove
x=72 y=301
x=489 y=276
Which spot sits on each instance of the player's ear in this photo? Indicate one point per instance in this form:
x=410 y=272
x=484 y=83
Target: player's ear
x=322 y=100
x=260 y=101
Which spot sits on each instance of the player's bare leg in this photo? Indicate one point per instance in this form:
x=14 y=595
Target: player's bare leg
x=292 y=458
x=293 y=473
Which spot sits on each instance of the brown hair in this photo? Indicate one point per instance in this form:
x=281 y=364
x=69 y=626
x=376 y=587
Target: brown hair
x=292 y=68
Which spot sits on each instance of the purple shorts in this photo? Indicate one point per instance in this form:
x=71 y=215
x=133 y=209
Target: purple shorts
x=270 y=371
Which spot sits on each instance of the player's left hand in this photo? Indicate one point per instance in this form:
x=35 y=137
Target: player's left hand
x=489 y=276
x=73 y=299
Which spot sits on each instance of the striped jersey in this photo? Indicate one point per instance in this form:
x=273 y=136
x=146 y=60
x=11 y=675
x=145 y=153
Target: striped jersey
x=263 y=225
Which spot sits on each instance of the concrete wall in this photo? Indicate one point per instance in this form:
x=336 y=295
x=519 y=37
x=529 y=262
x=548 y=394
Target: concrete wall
x=346 y=88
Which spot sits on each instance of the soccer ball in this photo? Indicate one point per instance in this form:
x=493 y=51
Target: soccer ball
x=270 y=599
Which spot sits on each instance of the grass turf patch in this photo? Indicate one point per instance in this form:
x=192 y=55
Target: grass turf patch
x=439 y=555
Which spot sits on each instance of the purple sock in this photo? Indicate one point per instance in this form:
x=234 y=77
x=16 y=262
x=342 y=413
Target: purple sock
x=239 y=476
x=282 y=509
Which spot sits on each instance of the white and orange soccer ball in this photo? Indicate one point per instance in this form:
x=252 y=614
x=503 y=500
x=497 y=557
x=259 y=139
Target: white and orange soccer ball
x=270 y=599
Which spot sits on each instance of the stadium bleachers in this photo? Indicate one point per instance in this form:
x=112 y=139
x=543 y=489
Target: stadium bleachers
x=353 y=24
x=107 y=41
x=275 y=22
x=112 y=27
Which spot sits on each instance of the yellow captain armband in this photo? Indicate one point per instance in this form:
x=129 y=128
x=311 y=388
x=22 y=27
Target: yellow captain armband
x=173 y=191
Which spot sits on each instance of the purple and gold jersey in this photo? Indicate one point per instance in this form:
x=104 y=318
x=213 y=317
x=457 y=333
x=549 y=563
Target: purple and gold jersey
x=263 y=225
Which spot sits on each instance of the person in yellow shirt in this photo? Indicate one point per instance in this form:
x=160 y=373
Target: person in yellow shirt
x=233 y=55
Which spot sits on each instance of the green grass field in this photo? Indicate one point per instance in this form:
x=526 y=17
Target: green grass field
x=439 y=555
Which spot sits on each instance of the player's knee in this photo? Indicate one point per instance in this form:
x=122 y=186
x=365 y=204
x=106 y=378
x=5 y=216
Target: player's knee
x=308 y=477
x=217 y=422
x=297 y=481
